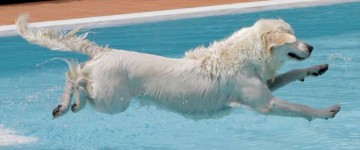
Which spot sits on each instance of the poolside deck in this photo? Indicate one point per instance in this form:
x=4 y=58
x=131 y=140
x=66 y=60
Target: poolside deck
x=69 y=9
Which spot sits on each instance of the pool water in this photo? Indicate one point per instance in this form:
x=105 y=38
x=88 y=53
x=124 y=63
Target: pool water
x=30 y=87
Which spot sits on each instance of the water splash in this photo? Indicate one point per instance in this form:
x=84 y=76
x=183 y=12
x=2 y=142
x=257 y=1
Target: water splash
x=52 y=59
x=340 y=57
x=9 y=137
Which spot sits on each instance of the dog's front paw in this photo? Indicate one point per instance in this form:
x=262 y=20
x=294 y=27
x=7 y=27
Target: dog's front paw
x=317 y=70
x=331 y=111
x=334 y=110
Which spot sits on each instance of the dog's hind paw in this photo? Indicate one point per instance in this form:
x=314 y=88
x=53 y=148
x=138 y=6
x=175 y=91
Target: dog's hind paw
x=77 y=107
x=74 y=107
x=58 y=111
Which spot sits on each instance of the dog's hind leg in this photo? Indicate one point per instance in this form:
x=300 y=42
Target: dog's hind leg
x=80 y=101
x=296 y=75
x=63 y=107
x=80 y=95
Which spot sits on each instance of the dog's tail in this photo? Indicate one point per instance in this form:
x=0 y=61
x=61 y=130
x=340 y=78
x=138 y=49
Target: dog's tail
x=58 y=40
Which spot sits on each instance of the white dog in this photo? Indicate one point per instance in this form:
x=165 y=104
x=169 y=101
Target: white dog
x=240 y=69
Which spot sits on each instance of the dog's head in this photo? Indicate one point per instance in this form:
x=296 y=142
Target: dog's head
x=280 y=42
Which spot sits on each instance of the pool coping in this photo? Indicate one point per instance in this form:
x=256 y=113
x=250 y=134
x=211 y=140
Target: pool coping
x=174 y=14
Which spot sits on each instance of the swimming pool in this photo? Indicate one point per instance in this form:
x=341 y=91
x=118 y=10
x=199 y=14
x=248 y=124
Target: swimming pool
x=30 y=88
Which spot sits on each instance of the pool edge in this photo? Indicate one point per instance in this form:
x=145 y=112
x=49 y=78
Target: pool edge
x=174 y=14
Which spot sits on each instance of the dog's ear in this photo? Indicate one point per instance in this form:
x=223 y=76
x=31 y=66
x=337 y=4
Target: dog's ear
x=277 y=38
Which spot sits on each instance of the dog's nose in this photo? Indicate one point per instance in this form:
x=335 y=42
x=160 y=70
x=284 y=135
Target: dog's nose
x=309 y=47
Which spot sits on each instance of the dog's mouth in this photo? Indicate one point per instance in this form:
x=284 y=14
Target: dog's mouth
x=294 y=56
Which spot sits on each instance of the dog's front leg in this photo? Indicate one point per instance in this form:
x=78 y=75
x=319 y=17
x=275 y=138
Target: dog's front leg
x=296 y=74
x=63 y=107
x=284 y=108
x=256 y=95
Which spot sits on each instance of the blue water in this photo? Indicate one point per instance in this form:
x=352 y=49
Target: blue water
x=29 y=90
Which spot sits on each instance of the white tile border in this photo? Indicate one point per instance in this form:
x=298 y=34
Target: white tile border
x=133 y=18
